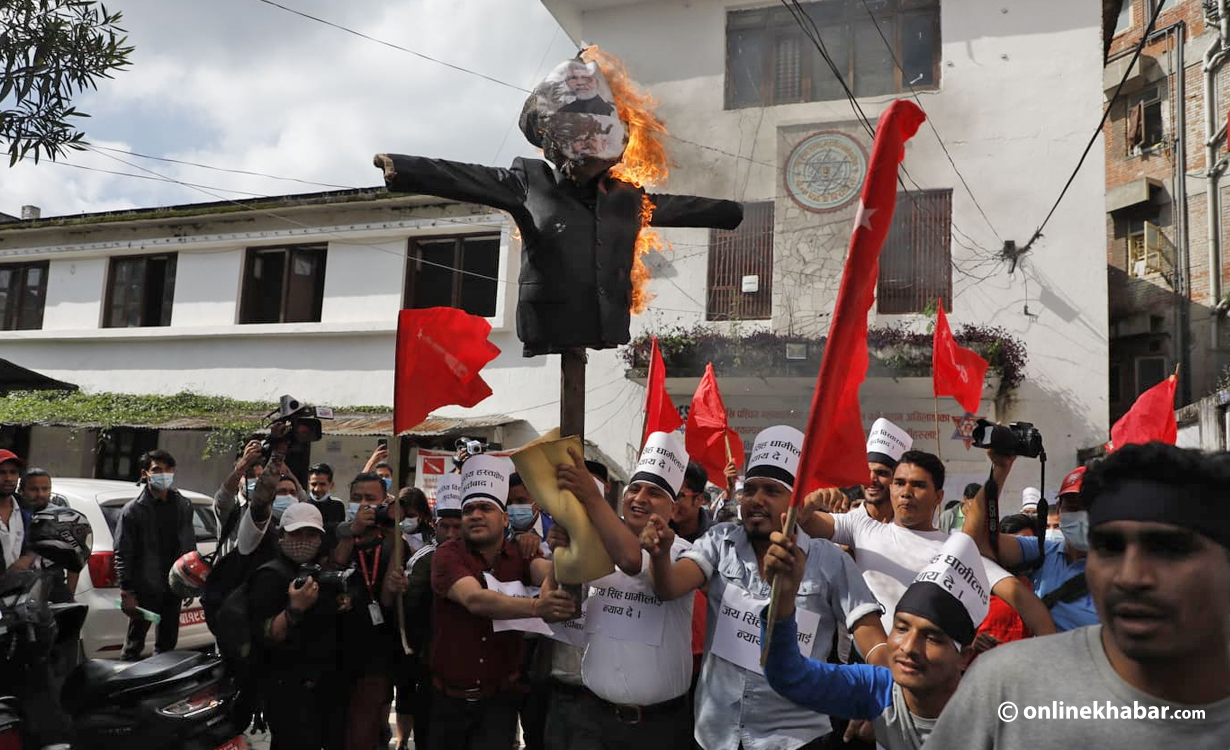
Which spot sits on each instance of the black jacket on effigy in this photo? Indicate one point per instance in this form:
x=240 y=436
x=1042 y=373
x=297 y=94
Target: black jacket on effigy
x=577 y=241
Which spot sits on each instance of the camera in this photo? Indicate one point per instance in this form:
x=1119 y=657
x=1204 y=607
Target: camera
x=303 y=420
x=331 y=582
x=1016 y=439
x=384 y=515
x=469 y=446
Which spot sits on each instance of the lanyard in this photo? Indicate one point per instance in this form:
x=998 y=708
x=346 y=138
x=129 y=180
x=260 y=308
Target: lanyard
x=369 y=578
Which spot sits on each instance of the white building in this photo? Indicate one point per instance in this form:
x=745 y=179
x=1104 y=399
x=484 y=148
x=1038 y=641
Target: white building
x=1013 y=88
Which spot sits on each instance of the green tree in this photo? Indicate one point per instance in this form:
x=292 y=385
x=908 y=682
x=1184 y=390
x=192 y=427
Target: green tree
x=51 y=51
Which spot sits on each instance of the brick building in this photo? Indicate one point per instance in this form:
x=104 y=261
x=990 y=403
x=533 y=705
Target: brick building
x=1164 y=307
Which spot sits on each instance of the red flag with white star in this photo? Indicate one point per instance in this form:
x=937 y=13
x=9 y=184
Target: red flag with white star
x=834 y=446
x=955 y=370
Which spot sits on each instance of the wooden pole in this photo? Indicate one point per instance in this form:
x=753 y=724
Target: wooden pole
x=792 y=516
x=939 y=448
x=397 y=554
x=572 y=413
x=572 y=393
x=730 y=483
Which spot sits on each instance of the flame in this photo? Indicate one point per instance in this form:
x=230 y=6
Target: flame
x=644 y=162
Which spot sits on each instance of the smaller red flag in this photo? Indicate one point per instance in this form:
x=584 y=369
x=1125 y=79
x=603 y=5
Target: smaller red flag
x=1150 y=419
x=440 y=351
x=709 y=439
x=660 y=412
x=956 y=371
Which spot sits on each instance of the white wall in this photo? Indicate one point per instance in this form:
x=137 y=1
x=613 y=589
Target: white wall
x=1021 y=94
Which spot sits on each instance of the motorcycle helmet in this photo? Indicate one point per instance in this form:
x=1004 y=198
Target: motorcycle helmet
x=187 y=576
x=63 y=536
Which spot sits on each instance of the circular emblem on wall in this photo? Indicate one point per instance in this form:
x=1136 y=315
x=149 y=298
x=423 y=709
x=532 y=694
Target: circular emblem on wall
x=826 y=171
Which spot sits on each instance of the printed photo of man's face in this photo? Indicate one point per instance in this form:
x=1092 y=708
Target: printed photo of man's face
x=581 y=82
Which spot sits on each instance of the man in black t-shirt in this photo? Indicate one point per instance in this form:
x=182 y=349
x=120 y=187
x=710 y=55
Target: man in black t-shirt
x=294 y=629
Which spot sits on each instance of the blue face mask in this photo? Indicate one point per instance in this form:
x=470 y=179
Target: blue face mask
x=520 y=517
x=250 y=488
x=409 y=525
x=282 y=502
x=1054 y=535
x=388 y=484
x=1075 y=528
x=352 y=510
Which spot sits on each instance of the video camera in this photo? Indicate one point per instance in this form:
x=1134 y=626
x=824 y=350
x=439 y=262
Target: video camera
x=1016 y=439
x=303 y=420
x=466 y=447
x=331 y=582
x=384 y=515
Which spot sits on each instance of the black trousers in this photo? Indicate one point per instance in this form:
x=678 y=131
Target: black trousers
x=422 y=711
x=304 y=713
x=167 y=605
x=483 y=724
x=586 y=724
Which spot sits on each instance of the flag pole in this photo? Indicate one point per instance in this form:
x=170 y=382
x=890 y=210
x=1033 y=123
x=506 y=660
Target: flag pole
x=397 y=555
x=939 y=449
x=788 y=529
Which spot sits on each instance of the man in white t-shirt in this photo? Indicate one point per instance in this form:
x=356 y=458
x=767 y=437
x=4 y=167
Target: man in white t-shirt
x=637 y=666
x=892 y=554
x=735 y=705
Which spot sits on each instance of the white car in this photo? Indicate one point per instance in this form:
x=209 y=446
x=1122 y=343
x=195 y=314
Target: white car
x=101 y=500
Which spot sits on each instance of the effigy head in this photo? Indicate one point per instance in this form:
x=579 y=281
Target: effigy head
x=571 y=115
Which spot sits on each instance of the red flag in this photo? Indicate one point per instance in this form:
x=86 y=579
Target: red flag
x=835 y=448
x=1150 y=418
x=660 y=412
x=709 y=439
x=439 y=353
x=955 y=370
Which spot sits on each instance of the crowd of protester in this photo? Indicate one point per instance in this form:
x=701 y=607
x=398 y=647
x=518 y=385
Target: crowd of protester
x=894 y=626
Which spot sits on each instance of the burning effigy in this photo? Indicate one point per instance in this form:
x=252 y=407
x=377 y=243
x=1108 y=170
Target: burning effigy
x=583 y=213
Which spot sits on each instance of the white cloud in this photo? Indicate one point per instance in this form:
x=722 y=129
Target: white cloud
x=243 y=85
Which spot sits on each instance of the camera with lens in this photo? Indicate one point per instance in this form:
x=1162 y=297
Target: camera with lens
x=302 y=420
x=1016 y=439
x=465 y=448
x=331 y=582
x=384 y=515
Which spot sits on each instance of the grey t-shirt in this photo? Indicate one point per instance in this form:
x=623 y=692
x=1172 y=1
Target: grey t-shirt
x=1067 y=674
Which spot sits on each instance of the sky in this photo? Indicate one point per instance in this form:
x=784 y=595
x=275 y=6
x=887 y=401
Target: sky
x=244 y=85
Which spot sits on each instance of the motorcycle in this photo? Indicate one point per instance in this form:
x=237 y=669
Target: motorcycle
x=38 y=643
x=177 y=699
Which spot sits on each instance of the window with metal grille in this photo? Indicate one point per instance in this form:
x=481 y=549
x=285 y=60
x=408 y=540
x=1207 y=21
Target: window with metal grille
x=23 y=294
x=118 y=452
x=459 y=272
x=916 y=262
x=284 y=284
x=770 y=60
x=737 y=254
x=140 y=291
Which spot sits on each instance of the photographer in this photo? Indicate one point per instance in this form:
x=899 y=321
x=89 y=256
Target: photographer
x=253 y=498
x=1056 y=569
x=370 y=643
x=294 y=620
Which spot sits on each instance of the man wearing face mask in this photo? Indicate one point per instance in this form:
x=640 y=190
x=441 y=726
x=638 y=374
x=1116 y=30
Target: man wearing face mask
x=1059 y=568
x=153 y=531
x=296 y=628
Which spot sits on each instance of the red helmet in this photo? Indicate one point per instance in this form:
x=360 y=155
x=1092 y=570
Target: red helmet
x=1072 y=482
x=188 y=574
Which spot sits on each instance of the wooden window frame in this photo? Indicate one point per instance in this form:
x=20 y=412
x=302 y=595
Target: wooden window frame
x=109 y=297
x=414 y=260
x=777 y=24
x=886 y=303
x=107 y=458
x=757 y=232
x=318 y=287
x=11 y=316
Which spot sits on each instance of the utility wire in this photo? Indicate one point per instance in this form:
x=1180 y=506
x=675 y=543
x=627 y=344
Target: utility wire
x=1127 y=72
x=429 y=58
x=930 y=122
x=225 y=169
